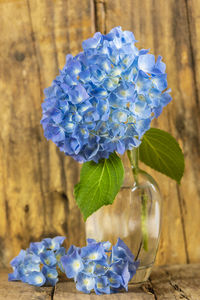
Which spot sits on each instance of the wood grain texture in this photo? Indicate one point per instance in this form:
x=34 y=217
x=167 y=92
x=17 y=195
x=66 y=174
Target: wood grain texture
x=67 y=290
x=163 y=27
x=191 y=215
x=36 y=180
x=176 y=282
x=166 y=283
x=36 y=185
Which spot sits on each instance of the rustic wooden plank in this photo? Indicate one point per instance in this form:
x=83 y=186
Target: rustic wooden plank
x=22 y=291
x=191 y=215
x=67 y=290
x=36 y=180
x=166 y=283
x=53 y=40
x=20 y=134
x=162 y=26
x=176 y=282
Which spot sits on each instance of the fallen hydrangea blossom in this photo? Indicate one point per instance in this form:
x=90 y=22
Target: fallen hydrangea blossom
x=97 y=268
x=38 y=264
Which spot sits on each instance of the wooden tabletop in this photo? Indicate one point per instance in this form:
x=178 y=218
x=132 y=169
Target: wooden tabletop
x=168 y=282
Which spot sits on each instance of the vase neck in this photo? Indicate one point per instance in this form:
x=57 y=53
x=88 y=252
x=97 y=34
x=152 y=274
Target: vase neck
x=133 y=156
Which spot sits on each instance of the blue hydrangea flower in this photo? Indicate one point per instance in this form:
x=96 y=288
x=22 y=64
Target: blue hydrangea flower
x=34 y=278
x=48 y=258
x=115 y=280
x=59 y=254
x=102 y=285
x=85 y=283
x=72 y=264
x=55 y=243
x=93 y=252
x=97 y=267
x=51 y=275
x=104 y=98
x=122 y=255
x=38 y=264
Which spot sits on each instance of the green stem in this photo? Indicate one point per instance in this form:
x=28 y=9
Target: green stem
x=133 y=156
x=144 y=219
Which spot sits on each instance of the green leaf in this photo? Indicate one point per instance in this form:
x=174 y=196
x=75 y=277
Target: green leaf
x=160 y=151
x=99 y=184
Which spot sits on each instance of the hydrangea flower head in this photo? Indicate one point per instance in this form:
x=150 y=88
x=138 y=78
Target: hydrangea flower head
x=104 y=98
x=37 y=265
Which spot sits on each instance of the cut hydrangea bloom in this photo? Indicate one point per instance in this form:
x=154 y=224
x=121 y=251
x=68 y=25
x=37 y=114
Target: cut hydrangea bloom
x=96 y=267
x=104 y=98
x=37 y=265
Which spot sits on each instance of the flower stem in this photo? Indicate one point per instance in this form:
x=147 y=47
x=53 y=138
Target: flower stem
x=144 y=221
x=133 y=156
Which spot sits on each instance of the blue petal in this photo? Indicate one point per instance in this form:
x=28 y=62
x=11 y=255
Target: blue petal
x=132 y=267
x=143 y=83
x=48 y=258
x=146 y=62
x=74 y=68
x=85 y=283
x=51 y=275
x=119 y=116
x=102 y=285
x=56 y=242
x=18 y=259
x=72 y=264
x=160 y=81
x=120 y=243
x=120 y=147
x=34 y=278
x=89 y=268
x=125 y=277
x=93 y=252
x=103 y=109
x=91 y=241
x=92 y=42
x=159 y=66
x=59 y=253
x=125 y=91
x=100 y=268
x=165 y=98
x=111 y=83
x=115 y=280
x=77 y=94
x=14 y=276
x=37 y=247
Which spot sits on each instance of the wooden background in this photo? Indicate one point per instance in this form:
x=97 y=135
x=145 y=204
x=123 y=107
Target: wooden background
x=36 y=180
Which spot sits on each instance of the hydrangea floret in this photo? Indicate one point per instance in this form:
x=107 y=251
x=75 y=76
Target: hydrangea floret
x=104 y=98
x=96 y=267
x=38 y=265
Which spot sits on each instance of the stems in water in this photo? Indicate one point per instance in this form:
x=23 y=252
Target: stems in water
x=133 y=156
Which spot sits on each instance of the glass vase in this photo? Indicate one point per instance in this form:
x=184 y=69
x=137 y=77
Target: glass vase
x=135 y=217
